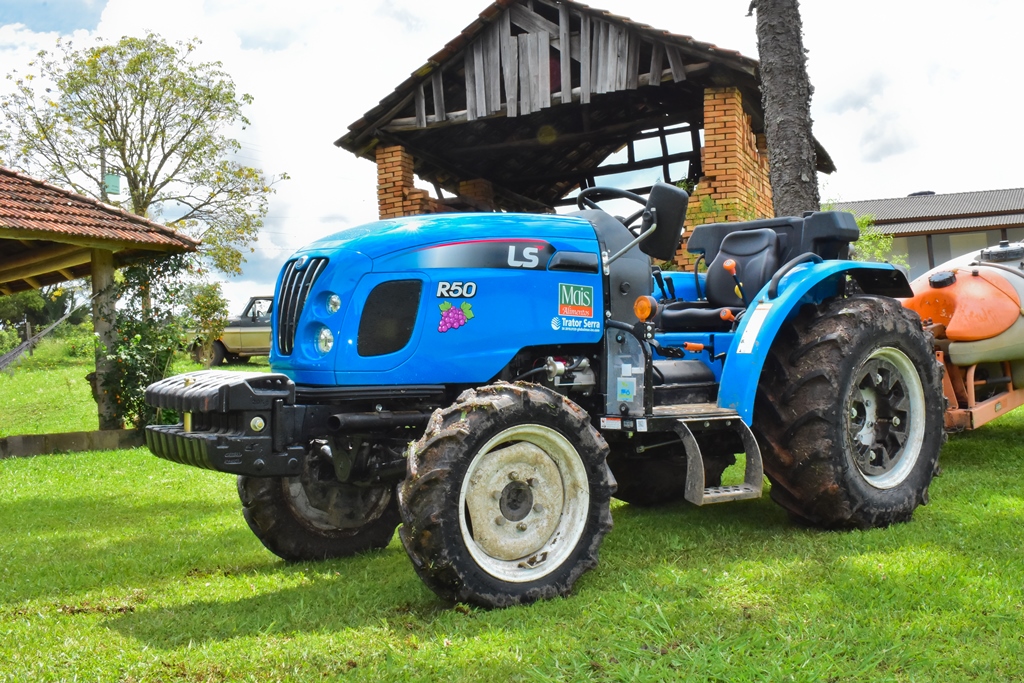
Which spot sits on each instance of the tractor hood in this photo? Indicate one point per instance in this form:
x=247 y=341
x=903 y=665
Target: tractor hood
x=382 y=238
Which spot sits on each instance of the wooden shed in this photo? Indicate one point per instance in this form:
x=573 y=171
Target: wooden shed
x=49 y=235
x=539 y=97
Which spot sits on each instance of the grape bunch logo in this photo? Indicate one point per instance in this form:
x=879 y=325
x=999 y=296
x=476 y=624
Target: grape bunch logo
x=454 y=317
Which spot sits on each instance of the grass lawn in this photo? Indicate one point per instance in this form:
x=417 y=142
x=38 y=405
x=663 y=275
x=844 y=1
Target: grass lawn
x=118 y=566
x=47 y=393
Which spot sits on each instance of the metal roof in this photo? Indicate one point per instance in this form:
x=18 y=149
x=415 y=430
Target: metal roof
x=954 y=212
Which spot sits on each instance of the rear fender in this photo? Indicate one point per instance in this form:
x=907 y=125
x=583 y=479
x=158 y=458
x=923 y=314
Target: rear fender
x=808 y=283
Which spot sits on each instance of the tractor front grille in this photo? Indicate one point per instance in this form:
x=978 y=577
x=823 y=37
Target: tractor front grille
x=299 y=276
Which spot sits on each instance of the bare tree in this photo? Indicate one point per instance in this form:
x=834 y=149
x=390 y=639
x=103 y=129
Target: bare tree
x=786 y=96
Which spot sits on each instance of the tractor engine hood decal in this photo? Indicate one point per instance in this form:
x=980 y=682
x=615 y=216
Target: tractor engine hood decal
x=523 y=254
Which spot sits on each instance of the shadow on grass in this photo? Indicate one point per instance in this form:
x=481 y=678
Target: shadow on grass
x=96 y=542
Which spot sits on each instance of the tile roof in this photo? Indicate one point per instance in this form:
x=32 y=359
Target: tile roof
x=954 y=212
x=32 y=209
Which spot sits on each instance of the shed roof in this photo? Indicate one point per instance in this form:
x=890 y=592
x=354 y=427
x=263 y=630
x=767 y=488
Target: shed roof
x=933 y=213
x=469 y=111
x=48 y=233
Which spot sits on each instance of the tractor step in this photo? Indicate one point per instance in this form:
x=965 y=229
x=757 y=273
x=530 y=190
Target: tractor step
x=753 y=476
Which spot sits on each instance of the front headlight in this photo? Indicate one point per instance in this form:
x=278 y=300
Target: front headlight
x=324 y=341
x=333 y=304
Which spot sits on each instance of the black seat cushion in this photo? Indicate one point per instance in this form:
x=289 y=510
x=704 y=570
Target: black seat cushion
x=676 y=318
x=682 y=372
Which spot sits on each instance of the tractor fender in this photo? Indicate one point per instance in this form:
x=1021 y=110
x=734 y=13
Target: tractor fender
x=806 y=283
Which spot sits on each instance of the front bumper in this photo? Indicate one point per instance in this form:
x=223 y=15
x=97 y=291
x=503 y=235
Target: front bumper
x=235 y=422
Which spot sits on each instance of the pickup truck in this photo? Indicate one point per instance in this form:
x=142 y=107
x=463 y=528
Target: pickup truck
x=244 y=336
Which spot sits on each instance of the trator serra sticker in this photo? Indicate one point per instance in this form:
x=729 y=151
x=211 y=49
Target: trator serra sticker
x=454 y=317
x=575 y=309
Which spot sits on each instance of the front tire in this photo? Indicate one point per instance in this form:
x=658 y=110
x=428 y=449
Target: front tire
x=507 y=497
x=849 y=414
x=300 y=518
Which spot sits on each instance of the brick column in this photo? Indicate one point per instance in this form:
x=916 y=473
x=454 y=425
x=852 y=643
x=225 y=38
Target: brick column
x=480 y=191
x=735 y=185
x=396 y=193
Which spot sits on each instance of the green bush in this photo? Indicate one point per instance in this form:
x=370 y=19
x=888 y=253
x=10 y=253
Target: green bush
x=9 y=339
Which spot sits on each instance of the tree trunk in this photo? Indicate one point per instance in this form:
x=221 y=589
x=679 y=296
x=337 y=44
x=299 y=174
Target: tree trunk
x=786 y=96
x=103 y=320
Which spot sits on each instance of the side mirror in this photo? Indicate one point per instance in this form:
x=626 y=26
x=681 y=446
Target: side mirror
x=669 y=203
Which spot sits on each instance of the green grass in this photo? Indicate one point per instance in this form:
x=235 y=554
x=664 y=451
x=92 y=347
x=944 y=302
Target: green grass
x=47 y=393
x=118 y=566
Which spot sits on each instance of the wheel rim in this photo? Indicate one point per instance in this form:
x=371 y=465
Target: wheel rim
x=885 y=412
x=334 y=506
x=524 y=503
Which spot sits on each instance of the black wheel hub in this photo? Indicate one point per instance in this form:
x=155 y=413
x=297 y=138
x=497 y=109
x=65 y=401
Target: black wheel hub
x=878 y=417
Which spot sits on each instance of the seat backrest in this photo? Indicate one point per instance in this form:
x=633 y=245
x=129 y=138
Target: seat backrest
x=756 y=253
x=669 y=203
x=825 y=233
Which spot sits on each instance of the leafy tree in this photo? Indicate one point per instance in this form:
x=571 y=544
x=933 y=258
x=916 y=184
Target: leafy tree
x=141 y=109
x=16 y=307
x=786 y=96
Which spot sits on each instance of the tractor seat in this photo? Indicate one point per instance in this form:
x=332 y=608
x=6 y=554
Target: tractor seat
x=756 y=255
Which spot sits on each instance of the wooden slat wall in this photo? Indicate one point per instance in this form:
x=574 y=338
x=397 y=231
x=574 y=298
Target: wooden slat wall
x=517 y=69
x=510 y=64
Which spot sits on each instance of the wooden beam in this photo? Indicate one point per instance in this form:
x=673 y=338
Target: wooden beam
x=104 y=301
x=510 y=65
x=32 y=282
x=564 y=56
x=437 y=84
x=492 y=66
x=38 y=254
x=527 y=83
x=421 y=107
x=66 y=273
x=408 y=123
x=585 y=84
x=91 y=242
x=530 y=21
x=579 y=174
x=675 y=61
x=621 y=132
x=470 y=71
x=543 y=41
x=657 y=61
x=480 y=79
x=46 y=265
x=633 y=63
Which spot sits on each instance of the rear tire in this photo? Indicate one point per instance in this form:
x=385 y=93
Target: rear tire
x=507 y=497
x=217 y=354
x=299 y=518
x=849 y=414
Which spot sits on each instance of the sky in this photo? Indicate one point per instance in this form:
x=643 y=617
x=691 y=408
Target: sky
x=909 y=95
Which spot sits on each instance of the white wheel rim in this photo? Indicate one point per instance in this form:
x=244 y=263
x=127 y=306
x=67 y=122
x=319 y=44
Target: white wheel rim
x=524 y=503
x=885 y=418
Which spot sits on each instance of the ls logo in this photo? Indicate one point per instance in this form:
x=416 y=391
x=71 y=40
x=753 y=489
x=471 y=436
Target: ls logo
x=523 y=257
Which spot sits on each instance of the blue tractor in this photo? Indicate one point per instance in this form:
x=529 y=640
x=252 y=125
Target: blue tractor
x=490 y=381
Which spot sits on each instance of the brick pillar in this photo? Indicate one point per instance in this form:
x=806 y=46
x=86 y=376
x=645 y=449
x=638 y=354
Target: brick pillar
x=735 y=185
x=396 y=193
x=480 y=191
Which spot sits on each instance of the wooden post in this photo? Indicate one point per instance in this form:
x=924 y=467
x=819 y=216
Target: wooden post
x=103 y=320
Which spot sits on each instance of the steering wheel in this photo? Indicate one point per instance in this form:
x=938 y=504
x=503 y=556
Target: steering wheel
x=584 y=201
